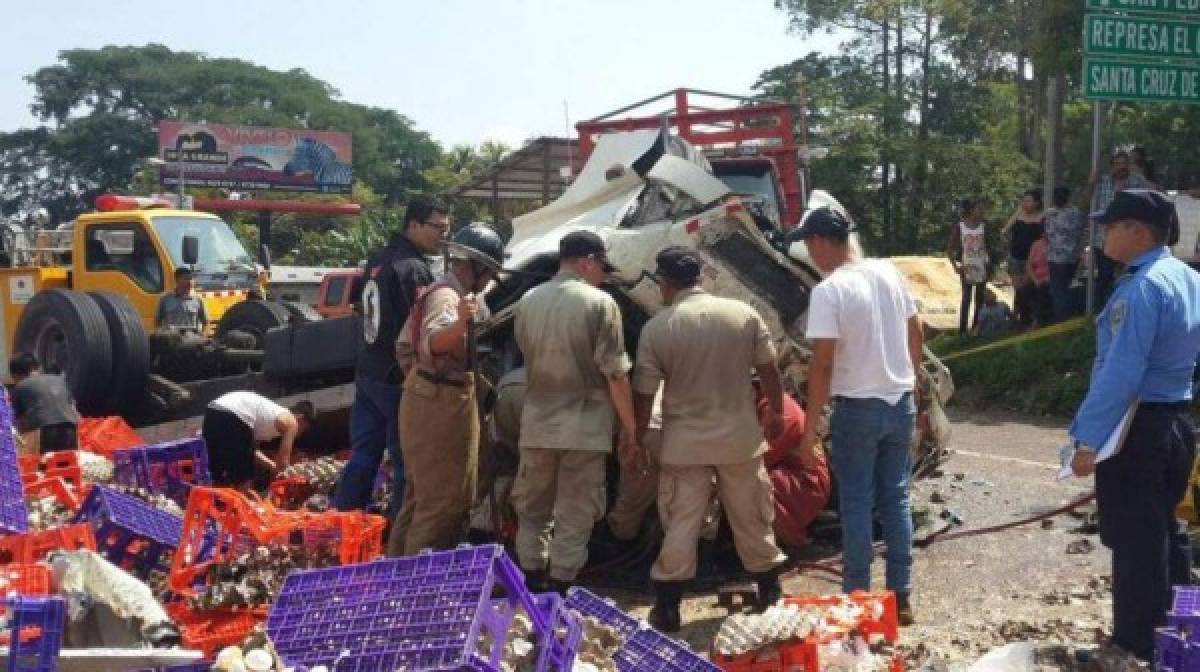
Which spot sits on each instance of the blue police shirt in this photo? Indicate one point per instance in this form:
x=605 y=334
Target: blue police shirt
x=1147 y=340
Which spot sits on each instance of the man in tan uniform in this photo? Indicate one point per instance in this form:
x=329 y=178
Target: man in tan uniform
x=703 y=348
x=570 y=334
x=439 y=418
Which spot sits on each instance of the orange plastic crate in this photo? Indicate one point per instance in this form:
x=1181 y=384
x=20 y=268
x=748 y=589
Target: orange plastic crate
x=887 y=625
x=29 y=466
x=33 y=546
x=55 y=487
x=220 y=523
x=290 y=493
x=211 y=631
x=105 y=436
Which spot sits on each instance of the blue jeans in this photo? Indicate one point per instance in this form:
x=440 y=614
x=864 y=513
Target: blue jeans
x=374 y=427
x=871 y=439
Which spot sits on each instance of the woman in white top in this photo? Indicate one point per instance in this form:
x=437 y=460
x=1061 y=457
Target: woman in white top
x=236 y=422
x=967 y=249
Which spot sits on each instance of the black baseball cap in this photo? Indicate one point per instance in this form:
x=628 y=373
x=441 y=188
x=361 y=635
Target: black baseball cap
x=822 y=221
x=678 y=264
x=1143 y=205
x=579 y=244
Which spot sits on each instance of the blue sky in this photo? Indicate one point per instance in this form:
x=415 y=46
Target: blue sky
x=463 y=70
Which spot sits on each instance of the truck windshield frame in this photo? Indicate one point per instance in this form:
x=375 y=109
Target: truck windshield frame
x=222 y=256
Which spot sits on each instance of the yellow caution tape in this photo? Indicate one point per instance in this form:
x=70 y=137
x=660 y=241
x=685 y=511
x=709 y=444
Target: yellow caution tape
x=1037 y=334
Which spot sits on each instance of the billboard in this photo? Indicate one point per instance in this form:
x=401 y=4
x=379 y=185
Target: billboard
x=254 y=158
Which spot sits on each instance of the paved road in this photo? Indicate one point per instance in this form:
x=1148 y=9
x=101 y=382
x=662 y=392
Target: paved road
x=974 y=593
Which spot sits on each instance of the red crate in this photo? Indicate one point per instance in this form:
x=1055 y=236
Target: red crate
x=33 y=546
x=105 y=436
x=211 y=631
x=887 y=625
x=290 y=493
x=220 y=523
x=29 y=466
x=53 y=487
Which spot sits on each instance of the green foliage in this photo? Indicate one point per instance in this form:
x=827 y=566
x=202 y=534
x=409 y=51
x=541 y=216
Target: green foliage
x=101 y=106
x=1047 y=374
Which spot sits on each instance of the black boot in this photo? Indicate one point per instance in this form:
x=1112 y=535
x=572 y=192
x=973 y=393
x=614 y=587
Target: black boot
x=904 y=611
x=769 y=589
x=665 y=617
x=557 y=586
x=535 y=580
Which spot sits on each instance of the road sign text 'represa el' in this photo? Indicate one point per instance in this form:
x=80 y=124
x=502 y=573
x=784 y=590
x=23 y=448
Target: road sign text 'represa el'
x=1105 y=79
x=1141 y=36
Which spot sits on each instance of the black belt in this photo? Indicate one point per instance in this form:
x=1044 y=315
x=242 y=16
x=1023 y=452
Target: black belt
x=440 y=380
x=1165 y=405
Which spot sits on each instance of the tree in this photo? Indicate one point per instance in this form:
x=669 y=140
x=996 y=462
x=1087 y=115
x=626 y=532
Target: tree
x=101 y=106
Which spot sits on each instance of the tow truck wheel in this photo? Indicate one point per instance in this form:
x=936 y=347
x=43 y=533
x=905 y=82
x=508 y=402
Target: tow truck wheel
x=255 y=318
x=67 y=332
x=130 y=349
x=301 y=312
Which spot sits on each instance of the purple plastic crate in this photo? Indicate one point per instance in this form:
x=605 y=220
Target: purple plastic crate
x=645 y=649
x=558 y=654
x=605 y=611
x=41 y=653
x=119 y=521
x=649 y=650
x=421 y=612
x=161 y=468
x=14 y=519
x=1185 y=612
x=1172 y=653
x=198 y=666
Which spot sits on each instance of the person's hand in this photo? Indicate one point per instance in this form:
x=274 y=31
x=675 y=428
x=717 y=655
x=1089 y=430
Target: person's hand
x=628 y=451
x=1083 y=463
x=806 y=452
x=468 y=307
x=775 y=425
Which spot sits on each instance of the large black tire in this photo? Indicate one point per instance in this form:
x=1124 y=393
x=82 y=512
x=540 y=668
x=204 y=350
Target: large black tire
x=130 y=348
x=301 y=312
x=255 y=318
x=66 y=331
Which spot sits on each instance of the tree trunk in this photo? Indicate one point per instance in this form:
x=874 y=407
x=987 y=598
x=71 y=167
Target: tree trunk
x=1054 y=132
x=1019 y=79
x=885 y=199
x=899 y=113
x=921 y=170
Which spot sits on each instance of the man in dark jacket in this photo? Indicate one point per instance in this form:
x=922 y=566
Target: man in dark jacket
x=42 y=407
x=393 y=276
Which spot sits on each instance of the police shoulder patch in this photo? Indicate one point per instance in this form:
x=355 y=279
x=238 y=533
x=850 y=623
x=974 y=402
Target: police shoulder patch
x=1116 y=315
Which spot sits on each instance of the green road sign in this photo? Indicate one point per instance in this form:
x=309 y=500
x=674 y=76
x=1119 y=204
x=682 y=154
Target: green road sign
x=1110 y=79
x=1179 y=8
x=1141 y=36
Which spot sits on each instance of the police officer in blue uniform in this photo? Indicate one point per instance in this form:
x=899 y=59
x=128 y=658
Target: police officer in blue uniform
x=1147 y=340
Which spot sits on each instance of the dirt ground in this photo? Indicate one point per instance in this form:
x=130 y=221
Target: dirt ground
x=1043 y=582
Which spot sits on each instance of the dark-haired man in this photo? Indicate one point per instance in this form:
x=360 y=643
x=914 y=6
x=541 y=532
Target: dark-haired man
x=43 y=409
x=702 y=349
x=180 y=309
x=866 y=341
x=234 y=425
x=393 y=276
x=1147 y=340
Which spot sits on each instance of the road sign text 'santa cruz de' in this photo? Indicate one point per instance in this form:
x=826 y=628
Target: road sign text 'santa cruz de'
x=1176 y=7
x=1115 y=80
x=1141 y=36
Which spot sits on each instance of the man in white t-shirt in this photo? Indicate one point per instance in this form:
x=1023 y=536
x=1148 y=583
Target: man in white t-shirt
x=237 y=422
x=866 y=341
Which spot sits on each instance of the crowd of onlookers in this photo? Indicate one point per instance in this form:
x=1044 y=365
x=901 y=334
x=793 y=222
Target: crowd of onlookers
x=1047 y=249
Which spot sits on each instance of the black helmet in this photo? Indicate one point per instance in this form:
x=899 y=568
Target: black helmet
x=478 y=242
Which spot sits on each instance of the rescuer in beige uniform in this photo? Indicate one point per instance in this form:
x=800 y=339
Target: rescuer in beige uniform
x=702 y=349
x=570 y=334
x=439 y=417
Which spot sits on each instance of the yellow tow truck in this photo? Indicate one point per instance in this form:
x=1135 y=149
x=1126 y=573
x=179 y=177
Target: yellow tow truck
x=83 y=298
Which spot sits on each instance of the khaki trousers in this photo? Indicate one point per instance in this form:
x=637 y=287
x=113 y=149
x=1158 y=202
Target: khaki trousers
x=684 y=495
x=636 y=491
x=439 y=439
x=559 y=491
